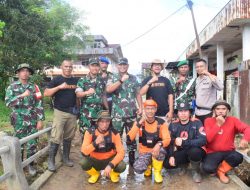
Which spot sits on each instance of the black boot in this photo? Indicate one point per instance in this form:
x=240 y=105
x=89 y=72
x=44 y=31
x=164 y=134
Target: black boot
x=196 y=171
x=131 y=157
x=52 y=154
x=66 y=151
x=32 y=170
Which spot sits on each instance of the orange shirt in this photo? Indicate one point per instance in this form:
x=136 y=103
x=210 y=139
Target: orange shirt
x=88 y=148
x=150 y=128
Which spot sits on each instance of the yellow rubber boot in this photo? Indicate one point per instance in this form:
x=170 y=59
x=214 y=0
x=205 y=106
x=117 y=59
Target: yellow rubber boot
x=114 y=176
x=157 y=165
x=94 y=175
x=148 y=172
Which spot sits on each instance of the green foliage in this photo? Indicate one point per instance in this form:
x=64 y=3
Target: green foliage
x=2 y=24
x=5 y=117
x=39 y=32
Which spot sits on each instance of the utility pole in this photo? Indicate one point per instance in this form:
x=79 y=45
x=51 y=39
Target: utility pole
x=190 y=6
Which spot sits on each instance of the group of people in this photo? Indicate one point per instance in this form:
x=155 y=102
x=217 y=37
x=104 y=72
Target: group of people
x=105 y=104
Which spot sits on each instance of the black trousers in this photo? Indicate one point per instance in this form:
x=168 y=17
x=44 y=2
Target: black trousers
x=213 y=160
x=184 y=156
x=203 y=117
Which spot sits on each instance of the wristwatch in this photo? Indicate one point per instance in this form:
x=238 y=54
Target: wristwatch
x=160 y=143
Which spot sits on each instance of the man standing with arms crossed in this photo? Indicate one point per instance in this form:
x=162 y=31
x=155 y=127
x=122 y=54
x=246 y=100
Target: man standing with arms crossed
x=125 y=94
x=62 y=89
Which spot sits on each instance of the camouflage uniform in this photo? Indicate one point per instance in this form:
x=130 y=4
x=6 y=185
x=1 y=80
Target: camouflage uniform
x=124 y=105
x=25 y=112
x=109 y=95
x=180 y=88
x=90 y=105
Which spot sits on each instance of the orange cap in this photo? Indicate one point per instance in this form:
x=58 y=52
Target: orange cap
x=150 y=103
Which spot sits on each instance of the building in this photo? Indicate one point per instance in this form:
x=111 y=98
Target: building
x=96 y=45
x=225 y=44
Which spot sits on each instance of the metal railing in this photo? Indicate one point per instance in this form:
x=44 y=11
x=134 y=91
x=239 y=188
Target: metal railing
x=10 y=152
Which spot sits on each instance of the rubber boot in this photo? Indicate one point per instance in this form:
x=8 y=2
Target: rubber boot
x=148 y=172
x=114 y=176
x=66 y=151
x=196 y=171
x=182 y=169
x=31 y=169
x=94 y=175
x=157 y=165
x=222 y=170
x=52 y=154
x=131 y=157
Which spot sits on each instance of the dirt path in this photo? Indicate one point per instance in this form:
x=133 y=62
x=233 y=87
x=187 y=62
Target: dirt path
x=74 y=178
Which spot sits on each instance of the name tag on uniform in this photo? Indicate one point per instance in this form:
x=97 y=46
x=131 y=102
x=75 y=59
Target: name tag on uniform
x=149 y=141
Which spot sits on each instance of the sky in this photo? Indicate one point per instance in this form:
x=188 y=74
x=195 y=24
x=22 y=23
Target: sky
x=122 y=21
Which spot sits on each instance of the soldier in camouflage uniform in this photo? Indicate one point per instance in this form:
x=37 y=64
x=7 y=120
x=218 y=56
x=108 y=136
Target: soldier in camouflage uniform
x=91 y=90
x=125 y=93
x=105 y=74
x=183 y=85
x=24 y=98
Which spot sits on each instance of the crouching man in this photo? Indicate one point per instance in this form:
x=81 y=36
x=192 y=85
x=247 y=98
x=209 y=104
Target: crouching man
x=221 y=130
x=102 y=149
x=187 y=139
x=153 y=136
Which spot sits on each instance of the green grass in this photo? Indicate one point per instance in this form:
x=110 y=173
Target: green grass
x=5 y=117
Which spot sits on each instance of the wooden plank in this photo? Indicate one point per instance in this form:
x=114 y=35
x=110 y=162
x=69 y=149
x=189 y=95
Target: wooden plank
x=238 y=181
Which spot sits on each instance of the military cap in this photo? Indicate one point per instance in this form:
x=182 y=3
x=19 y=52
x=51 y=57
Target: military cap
x=221 y=102
x=183 y=62
x=93 y=61
x=123 y=61
x=24 y=65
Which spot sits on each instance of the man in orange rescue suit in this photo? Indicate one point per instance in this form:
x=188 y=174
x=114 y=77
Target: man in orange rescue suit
x=102 y=149
x=153 y=137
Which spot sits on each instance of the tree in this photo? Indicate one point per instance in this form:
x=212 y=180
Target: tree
x=39 y=32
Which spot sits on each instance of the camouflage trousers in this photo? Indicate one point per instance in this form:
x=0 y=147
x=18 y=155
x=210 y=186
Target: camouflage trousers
x=88 y=117
x=24 y=131
x=88 y=123
x=120 y=124
x=144 y=160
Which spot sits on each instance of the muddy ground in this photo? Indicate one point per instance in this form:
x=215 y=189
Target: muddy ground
x=75 y=178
